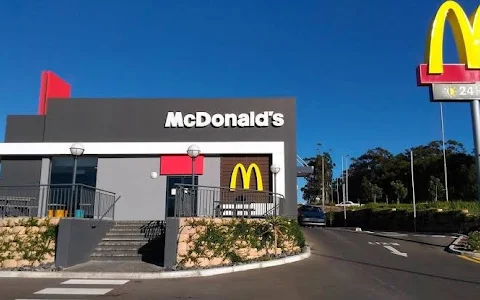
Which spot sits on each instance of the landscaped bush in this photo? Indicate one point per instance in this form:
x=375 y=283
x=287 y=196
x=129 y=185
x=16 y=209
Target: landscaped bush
x=398 y=219
x=27 y=242
x=211 y=242
x=473 y=207
x=474 y=241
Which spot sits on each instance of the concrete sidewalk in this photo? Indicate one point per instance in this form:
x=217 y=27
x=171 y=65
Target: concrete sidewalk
x=113 y=270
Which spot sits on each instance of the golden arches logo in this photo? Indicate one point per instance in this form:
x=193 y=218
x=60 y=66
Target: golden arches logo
x=246 y=176
x=466 y=32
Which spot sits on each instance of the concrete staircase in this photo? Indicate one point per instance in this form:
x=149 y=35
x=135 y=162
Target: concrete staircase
x=132 y=241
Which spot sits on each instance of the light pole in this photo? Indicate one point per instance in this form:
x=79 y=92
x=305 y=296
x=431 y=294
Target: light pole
x=76 y=150
x=444 y=154
x=347 y=163
x=413 y=193
x=343 y=199
x=338 y=195
x=275 y=169
x=193 y=151
x=323 y=181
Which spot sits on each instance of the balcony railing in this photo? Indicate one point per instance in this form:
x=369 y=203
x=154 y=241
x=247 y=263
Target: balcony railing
x=56 y=200
x=208 y=201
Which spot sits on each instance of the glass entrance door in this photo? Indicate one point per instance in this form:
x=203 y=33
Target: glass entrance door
x=172 y=181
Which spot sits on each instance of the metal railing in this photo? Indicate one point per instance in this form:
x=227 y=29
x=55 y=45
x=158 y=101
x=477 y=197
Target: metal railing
x=56 y=200
x=209 y=201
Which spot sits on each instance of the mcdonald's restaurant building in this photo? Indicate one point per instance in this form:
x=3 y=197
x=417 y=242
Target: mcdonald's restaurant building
x=127 y=141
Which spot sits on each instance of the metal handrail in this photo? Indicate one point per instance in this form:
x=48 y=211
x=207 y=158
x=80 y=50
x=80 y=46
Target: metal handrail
x=228 y=188
x=57 y=185
x=206 y=203
x=105 y=213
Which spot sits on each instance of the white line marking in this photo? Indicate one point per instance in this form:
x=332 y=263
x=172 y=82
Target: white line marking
x=420 y=235
x=439 y=236
x=393 y=234
x=395 y=251
x=72 y=291
x=383 y=243
x=95 y=281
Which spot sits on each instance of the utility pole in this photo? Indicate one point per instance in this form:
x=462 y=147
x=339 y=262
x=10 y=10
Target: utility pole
x=347 y=166
x=331 y=191
x=338 y=195
x=323 y=181
x=413 y=193
x=444 y=154
x=343 y=199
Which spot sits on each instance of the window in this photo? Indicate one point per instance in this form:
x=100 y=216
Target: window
x=62 y=170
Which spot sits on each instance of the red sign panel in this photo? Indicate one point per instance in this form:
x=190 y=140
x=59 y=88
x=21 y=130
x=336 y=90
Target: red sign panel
x=452 y=73
x=180 y=165
x=51 y=86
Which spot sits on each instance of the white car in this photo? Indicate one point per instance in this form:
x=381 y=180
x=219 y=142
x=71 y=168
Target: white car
x=348 y=204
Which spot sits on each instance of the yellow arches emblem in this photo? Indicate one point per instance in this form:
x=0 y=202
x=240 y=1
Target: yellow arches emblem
x=246 y=176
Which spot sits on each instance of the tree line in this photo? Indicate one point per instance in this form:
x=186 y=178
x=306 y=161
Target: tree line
x=381 y=176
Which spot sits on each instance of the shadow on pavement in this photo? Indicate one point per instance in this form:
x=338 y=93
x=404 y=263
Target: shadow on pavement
x=396 y=269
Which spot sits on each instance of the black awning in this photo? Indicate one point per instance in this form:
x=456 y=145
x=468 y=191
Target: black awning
x=304 y=171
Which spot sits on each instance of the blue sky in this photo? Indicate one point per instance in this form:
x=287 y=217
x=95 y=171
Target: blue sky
x=350 y=64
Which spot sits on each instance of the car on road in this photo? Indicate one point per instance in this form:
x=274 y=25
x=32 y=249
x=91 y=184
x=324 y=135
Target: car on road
x=348 y=204
x=309 y=215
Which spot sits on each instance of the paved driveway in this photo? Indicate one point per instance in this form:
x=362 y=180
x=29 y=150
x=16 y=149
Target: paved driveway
x=343 y=265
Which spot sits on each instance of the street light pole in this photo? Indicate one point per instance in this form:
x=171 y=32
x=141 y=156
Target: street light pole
x=444 y=154
x=413 y=193
x=343 y=199
x=323 y=181
x=338 y=195
x=347 y=167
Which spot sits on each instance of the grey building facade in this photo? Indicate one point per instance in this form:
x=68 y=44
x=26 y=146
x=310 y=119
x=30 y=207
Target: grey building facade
x=128 y=139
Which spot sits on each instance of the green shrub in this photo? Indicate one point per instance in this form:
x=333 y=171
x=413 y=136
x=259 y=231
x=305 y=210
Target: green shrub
x=474 y=241
x=221 y=240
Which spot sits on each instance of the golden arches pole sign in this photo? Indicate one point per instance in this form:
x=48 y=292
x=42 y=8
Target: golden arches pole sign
x=460 y=81
x=466 y=32
x=246 y=176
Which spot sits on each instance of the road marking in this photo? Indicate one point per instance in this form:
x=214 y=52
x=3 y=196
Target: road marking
x=419 y=235
x=395 y=251
x=95 y=281
x=475 y=260
x=393 y=234
x=384 y=243
x=72 y=291
x=439 y=236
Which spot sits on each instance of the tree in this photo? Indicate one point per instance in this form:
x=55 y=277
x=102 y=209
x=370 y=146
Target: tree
x=313 y=187
x=436 y=189
x=399 y=190
x=370 y=190
x=377 y=192
x=380 y=167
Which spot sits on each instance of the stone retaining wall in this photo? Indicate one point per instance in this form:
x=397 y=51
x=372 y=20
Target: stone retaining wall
x=188 y=235
x=27 y=242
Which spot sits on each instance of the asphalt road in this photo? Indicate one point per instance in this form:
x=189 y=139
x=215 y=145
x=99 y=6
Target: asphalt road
x=343 y=265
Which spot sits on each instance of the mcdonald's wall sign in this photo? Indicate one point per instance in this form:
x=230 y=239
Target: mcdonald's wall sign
x=251 y=172
x=466 y=32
